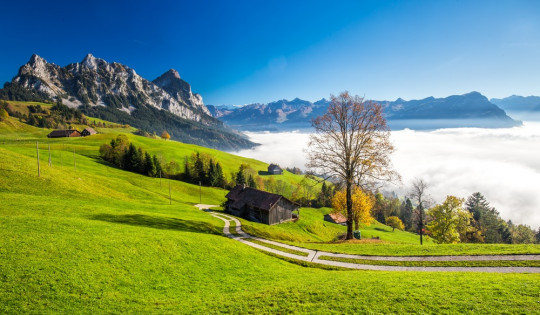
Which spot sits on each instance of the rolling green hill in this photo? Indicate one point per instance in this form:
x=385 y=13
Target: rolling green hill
x=91 y=238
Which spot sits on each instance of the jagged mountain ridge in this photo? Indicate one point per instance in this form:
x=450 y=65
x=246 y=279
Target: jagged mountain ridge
x=467 y=110
x=94 y=82
x=278 y=115
x=115 y=92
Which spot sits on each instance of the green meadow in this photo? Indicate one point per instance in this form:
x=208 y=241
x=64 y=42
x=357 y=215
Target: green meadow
x=86 y=237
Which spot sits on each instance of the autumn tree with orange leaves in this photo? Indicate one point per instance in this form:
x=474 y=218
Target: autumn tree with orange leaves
x=351 y=143
x=165 y=135
x=361 y=206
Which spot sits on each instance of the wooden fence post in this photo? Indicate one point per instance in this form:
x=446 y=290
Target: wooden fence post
x=50 y=160
x=37 y=151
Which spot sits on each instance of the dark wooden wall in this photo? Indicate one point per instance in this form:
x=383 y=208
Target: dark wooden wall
x=282 y=211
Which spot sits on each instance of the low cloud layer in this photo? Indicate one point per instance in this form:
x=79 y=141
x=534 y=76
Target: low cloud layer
x=502 y=164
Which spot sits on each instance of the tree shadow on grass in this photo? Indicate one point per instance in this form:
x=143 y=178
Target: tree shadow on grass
x=381 y=229
x=162 y=223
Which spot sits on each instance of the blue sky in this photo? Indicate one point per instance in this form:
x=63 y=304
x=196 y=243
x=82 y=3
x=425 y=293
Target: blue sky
x=235 y=52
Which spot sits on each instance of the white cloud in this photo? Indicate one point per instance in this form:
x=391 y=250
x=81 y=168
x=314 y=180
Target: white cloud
x=502 y=164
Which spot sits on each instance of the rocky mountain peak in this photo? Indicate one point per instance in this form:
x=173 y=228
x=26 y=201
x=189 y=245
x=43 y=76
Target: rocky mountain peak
x=172 y=73
x=36 y=59
x=171 y=78
x=36 y=64
x=171 y=82
x=92 y=62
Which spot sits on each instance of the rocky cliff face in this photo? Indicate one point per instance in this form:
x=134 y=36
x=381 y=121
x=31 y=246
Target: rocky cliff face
x=95 y=82
x=180 y=90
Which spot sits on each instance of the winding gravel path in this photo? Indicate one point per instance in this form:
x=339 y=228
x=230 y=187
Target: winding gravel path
x=313 y=255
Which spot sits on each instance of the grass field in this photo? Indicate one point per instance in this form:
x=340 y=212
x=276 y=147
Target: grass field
x=96 y=239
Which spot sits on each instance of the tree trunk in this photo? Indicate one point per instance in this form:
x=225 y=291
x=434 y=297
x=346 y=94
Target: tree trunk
x=349 y=211
x=421 y=223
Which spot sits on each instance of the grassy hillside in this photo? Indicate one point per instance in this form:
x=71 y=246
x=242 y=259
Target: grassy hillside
x=97 y=239
x=311 y=228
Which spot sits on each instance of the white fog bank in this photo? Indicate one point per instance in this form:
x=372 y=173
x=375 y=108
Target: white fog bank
x=502 y=164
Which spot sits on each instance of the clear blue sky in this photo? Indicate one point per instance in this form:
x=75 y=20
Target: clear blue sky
x=235 y=52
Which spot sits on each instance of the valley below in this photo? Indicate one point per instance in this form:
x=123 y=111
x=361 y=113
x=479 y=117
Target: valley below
x=505 y=168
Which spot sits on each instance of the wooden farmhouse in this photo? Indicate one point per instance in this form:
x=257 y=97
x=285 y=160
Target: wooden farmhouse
x=88 y=132
x=274 y=169
x=64 y=133
x=260 y=206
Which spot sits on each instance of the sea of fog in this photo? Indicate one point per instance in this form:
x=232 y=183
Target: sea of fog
x=502 y=164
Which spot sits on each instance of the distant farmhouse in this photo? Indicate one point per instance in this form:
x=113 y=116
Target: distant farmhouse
x=64 y=133
x=260 y=206
x=68 y=133
x=274 y=169
x=88 y=132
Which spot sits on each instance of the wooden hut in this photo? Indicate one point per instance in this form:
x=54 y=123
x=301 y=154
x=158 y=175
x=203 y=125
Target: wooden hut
x=260 y=206
x=88 y=132
x=274 y=169
x=64 y=133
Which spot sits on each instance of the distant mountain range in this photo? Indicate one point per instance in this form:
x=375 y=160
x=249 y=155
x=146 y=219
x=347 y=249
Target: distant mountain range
x=518 y=103
x=117 y=93
x=468 y=110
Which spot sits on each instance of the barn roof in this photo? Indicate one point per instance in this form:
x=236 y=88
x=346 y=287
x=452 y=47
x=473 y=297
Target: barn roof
x=273 y=166
x=61 y=133
x=253 y=197
x=90 y=130
x=337 y=217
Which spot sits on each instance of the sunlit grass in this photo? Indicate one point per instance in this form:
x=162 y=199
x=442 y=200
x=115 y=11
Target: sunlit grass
x=96 y=239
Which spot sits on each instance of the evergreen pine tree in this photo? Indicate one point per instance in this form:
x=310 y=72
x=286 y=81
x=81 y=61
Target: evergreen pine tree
x=200 y=174
x=240 y=178
x=477 y=204
x=485 y=218
x=211 y=174
x=251 y=182
x=219 y=178
x=157 y=164
x=187 y=172
x=141 y=162
x=149 y=166
x=406 y=214
x=130 y=159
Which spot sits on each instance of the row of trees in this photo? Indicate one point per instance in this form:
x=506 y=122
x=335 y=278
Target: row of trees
x=455 y=220
x=201 y=168
x=127 y=156
x=475 y=221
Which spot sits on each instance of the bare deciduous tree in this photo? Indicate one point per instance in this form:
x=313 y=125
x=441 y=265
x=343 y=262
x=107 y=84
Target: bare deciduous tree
x=352 y=143
x=419 y=194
